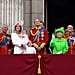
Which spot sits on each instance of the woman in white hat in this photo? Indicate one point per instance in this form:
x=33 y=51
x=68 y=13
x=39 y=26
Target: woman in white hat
x=20 y=46
x=16 y=39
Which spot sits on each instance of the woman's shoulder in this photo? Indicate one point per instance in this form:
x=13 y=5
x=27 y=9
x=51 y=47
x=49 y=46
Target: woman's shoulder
x=64 y=39
x=13 y=34
x=56 y=39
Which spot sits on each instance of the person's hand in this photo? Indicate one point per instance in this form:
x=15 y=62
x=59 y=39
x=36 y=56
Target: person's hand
x=9 y=51
x=22 y=46
x=29 y=43
x=39 y=48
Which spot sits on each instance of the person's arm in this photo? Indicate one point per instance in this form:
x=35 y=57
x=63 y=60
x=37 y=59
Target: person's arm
x=51 y=43
x=66 y=47
x=46 y=38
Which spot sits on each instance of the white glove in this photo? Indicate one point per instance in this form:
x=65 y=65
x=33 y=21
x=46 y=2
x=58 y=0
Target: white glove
x=53 y=36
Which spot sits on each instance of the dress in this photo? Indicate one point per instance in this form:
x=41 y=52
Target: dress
x=24 y=39
x=28 y=49
x=17 y=43
x=18 y=40
x=59 y=46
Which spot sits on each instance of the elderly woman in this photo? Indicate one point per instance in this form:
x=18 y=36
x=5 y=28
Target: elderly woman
x=59 y=44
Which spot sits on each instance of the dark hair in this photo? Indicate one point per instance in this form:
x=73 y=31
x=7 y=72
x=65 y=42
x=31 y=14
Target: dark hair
x=19 y=26
x=42 y=22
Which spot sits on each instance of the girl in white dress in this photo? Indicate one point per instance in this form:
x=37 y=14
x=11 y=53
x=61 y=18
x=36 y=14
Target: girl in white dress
x=27 y=43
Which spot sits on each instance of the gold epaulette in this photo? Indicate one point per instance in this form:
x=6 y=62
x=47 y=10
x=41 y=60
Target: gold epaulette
x=33 y=33
x=42 y=45
x=33 y=27
x=1 y=39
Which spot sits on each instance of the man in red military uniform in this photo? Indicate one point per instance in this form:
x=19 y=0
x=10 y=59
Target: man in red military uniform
x=70 y=36
x=5 y=41
x=39 y=37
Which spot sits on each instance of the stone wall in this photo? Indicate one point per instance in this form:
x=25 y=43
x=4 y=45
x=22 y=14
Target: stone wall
x=12 y=11
x=32 y=9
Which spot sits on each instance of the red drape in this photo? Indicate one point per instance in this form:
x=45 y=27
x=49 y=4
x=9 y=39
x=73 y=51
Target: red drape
x=18 y=65
x=58 y=65
x=28 y=64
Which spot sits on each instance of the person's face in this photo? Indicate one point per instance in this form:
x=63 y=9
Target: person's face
x=41 y=24
x=59 y=34
x=24 y=32
x=38 y=26
x=70 y=29
x=37 y=22
x=18 y=27
x=4 y=28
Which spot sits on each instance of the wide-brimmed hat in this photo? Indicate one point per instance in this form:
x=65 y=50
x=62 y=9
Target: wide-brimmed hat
x=59 y=30
x=20 y=22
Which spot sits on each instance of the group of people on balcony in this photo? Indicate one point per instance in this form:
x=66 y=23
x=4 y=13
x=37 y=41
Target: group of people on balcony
x=19 y=42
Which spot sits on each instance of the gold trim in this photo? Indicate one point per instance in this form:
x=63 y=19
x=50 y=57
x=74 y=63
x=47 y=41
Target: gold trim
x=35 y=33
x=42 y=45
x=35 y=45
x=1 y=39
